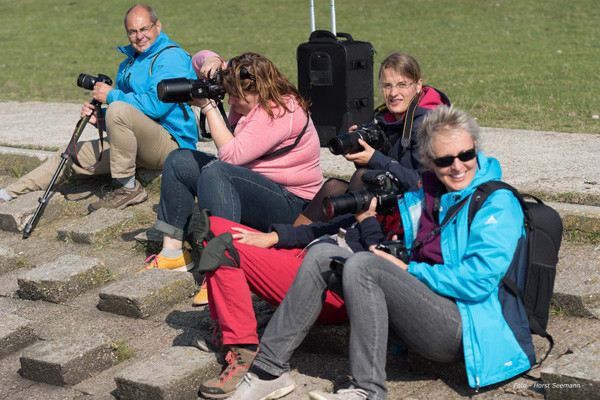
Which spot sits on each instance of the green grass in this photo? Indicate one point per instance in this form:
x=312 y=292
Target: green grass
x=522 y=64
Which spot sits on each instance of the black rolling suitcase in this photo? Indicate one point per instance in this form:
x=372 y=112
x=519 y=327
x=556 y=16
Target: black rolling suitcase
x=335 y=73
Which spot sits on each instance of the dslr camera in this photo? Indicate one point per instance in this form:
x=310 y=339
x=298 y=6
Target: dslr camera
x=348 y=142
x=88 y=81
x=395 y=248
x=377 y=183
x=182 y=90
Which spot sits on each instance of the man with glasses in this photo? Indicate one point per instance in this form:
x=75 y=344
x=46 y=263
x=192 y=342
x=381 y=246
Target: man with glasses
x=141 y=129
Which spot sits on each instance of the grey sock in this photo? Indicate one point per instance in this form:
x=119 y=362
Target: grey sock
x=171 y=253
x=128 y=183
x=4 y=195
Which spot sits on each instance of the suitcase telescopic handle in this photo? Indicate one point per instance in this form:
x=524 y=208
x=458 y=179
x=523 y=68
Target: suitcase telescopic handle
x=331 y=12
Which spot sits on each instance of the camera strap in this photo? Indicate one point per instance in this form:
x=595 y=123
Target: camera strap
x=408 y=122
x=202 y=124
x=288 y=147
x=449 y=215
x=72 y=148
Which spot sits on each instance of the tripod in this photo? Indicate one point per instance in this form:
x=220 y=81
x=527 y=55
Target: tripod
x=70 y=151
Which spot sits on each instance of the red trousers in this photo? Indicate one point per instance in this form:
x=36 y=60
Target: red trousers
x=268 y=273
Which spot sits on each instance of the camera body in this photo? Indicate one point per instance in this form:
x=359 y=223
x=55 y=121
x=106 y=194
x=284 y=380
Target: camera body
x=395 y=248
x=348 y=142
x=88 y=81
x=377 y=183
x=182 y=90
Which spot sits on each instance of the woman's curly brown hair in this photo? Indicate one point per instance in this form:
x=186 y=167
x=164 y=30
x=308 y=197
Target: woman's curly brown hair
x=262 y=78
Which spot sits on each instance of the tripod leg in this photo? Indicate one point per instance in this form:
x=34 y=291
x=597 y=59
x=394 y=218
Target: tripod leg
x=30 y=226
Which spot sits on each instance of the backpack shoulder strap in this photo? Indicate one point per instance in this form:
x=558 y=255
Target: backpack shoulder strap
x=484 y=190
x=171 y=46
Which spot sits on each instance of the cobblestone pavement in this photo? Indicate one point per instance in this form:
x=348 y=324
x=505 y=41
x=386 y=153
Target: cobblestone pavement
x=76 y=321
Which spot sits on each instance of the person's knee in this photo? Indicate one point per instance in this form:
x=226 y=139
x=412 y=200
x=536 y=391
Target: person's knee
x=334 y=187
x=357 y=267
x=116 y=111
x=214 y=169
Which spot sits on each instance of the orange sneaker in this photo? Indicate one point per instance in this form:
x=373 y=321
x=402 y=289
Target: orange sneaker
x=182 y=263
x=201 y=298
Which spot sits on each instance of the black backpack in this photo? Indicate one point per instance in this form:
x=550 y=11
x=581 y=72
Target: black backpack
x=543 y=227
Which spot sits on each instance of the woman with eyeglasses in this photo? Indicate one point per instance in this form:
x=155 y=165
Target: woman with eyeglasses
x=266 y=171
x=443 y=302
x=401 y=85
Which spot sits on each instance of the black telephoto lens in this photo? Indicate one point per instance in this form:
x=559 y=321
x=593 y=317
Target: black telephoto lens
x=348 y=203
x=176 y=90
x=346 y=143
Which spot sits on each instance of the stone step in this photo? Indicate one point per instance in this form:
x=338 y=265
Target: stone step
x=93 y=226
x=8 y=259
x=174 y=374
x=577 y=283
x=579 y=218
x=15 y=333
x=574 y=376
x=62 y=279
x=146 y=293
x=15 y=214
x=67 y=361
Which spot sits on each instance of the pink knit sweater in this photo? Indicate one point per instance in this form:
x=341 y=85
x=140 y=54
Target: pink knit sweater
x=256 y=134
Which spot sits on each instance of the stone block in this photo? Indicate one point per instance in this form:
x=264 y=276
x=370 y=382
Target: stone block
x=62 y=279
x=577 y=284
x=15 y=214
x=15 y=333
x=150 y=239
x=89 y=228
x=147 y=293
x=8 y=259
x=578 y=217
x=67 y=361
x=146 y=176
x=574 y=376
x=174 y=374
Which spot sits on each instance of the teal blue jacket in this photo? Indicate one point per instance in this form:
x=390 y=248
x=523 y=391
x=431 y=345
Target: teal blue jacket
x=475 y=260
x=136 y=85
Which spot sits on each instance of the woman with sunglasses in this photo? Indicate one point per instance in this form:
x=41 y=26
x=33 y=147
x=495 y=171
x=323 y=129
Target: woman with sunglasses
x=266 y=171
x=401 y=85
x=444 y=302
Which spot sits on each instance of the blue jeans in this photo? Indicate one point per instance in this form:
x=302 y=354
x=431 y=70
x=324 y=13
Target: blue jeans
x=378 y=296
x=228 y=191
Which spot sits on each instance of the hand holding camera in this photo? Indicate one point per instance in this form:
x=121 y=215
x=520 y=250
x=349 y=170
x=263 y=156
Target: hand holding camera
x=361 y=157
x=371 y=133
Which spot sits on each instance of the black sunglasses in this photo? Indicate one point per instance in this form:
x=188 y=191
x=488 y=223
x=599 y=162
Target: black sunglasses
x=463 y=156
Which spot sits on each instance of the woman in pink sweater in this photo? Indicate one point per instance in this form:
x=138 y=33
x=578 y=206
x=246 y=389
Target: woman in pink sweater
x=247 y=183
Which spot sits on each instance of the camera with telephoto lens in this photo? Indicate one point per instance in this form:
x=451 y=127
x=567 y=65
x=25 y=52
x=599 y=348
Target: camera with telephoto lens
x=395 y=248
x=182 y=90
x=377 y=183
x=88 y=81
x=348 y=142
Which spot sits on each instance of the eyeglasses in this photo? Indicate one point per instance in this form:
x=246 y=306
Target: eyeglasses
x=463 y=156
x=387 y=87
x=144 y=31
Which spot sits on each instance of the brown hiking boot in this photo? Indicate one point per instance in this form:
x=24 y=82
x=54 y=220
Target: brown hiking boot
x=120 y=197
x=238 y=363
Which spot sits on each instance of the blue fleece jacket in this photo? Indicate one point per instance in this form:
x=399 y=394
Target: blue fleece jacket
x=136 y=84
